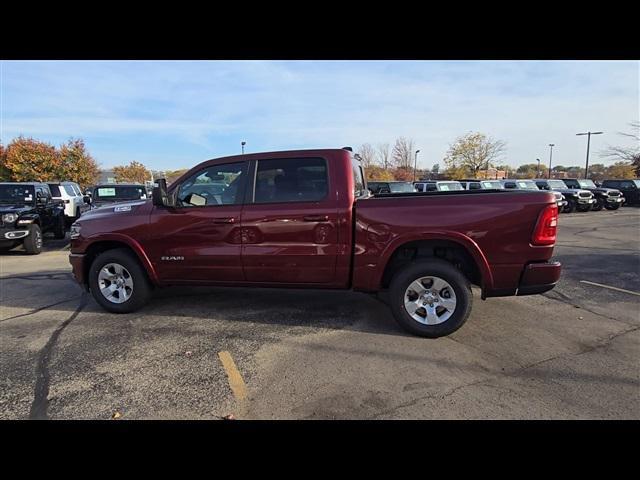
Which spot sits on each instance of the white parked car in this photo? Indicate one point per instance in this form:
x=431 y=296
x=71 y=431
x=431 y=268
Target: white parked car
x=72 y=198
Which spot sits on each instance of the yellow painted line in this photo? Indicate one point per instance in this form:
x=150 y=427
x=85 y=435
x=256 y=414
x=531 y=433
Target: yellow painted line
x=611 y=288
x=236 y=382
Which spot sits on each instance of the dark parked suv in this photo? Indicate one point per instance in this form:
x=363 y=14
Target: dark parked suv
x=581 y=200
x=630 y=189
x=609 y=198
x=525 y=184
x=27 y=211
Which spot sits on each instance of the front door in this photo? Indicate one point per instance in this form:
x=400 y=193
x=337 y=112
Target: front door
x=289 y=224
x=198 y=240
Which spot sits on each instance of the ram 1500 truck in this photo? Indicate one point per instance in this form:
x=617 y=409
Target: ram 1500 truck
x=305 y=219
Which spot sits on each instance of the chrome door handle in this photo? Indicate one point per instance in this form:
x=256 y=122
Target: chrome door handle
x=316 y=218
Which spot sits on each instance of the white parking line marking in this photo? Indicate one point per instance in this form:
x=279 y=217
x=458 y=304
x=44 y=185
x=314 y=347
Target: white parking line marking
x=611 y=288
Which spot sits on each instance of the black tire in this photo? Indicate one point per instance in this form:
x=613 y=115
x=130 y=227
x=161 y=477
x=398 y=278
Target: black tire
x=142 y=289
x=570 y=206
x=599 y=205
x=615 y=206
x=583 y=208
x=438 y=268
x=33 y=242
x=60 y=230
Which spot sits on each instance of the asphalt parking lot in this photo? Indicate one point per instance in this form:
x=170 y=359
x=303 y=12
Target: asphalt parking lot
x=205 y=353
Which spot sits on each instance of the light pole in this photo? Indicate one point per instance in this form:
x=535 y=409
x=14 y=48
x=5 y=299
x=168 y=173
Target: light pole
x=243 y=144
x=551 y=145
x=415 y=165
x=588 y=134
x=538 y=174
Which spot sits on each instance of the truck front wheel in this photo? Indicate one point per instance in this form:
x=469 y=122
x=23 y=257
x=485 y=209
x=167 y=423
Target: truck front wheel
x=430 y=298
x=118 y=282
x=599 y=205
x=33 y=242
x=570 y=207
x=613 y=206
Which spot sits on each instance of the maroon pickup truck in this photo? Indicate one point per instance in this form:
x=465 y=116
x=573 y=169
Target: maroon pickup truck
x=306 y=219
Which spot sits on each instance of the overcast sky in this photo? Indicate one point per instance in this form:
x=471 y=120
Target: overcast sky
x=170 y=115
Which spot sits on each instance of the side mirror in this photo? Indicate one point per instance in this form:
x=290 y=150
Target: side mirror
x=86 y=199
x=159 y=195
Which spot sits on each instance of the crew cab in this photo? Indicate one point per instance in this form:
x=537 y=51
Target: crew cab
x=438 y=186
x=110 y=193
x=609 y=198
x=27 y=211
x=630 y=189
x=305 y=219
x=390 y=187
x=523 y=184
x=581 y=200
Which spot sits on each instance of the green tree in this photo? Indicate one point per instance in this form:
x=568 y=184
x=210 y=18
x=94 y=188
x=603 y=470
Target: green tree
x=474 y=152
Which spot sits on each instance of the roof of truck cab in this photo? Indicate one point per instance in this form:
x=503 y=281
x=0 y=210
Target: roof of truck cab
x=23 y=183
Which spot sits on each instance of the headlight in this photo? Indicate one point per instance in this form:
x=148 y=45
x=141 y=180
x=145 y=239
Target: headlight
x=74 y=231
x=9 y=217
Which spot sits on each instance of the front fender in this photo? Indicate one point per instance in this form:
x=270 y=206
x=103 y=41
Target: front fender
x=131 y=243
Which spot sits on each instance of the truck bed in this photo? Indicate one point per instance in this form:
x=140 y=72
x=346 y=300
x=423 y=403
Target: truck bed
x=495 y=226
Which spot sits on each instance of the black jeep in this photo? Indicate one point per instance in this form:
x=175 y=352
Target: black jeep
x=581 y=200
x=609 y=198
x=27 y=211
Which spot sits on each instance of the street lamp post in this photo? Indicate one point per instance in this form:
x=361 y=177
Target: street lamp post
x=243 y=144
x=551 y=145
x=538 y=174
x=588 y=134
x=415 y=165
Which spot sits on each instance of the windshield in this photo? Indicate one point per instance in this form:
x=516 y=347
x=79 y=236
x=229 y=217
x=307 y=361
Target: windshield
x=17 y=194
x=587 y=184
x=494 y=184
x=120 y=192
x=556 y=184
x=527 y=185
x=637 y=182
x=448 y=186
x=401 y=187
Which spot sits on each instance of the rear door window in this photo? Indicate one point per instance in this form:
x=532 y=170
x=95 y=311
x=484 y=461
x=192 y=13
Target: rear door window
x=291 y=180
x=69 y=189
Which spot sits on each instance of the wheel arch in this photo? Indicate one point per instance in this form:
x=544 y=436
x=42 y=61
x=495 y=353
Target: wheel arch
x=454 y=247
x=113 y=241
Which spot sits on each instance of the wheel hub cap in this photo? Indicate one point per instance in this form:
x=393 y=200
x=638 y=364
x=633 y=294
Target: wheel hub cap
x=115 y=283
x=430 y=300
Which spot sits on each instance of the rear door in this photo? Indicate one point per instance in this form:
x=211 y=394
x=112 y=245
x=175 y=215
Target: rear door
x=289 y=222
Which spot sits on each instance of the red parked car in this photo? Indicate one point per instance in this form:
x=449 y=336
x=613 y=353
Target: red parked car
x=306 y=219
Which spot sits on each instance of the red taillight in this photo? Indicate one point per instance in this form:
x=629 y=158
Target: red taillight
x=547 y=226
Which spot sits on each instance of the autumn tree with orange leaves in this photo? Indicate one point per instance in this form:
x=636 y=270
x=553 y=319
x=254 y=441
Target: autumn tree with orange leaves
x=135 y=172
x=30 y=160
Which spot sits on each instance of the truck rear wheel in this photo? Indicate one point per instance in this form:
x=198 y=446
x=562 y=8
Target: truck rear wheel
x=118 y=282
x=33 y=242
x=430 y=298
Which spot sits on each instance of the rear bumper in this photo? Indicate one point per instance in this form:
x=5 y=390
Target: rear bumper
x=539 y=278
x=77 y=267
